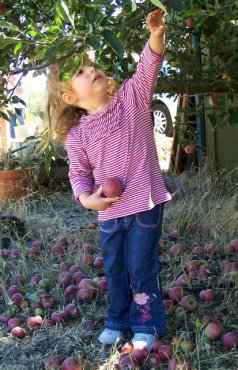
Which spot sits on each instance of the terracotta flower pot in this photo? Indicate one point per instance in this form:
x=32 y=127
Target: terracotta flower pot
x=15 y=183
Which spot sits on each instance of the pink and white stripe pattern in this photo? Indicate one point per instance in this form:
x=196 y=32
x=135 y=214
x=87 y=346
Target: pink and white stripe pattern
x=118 y=141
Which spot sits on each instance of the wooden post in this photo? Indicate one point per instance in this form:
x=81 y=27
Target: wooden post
x=4 y=135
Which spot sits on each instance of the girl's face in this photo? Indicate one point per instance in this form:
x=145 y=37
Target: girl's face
x=87 y=84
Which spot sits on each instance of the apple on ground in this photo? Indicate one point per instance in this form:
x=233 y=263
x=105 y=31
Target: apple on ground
x=158 y=343
x=207 y=295
x=176 y=249
x=98 y=262
x=47 y=301
x=103 y=285
x=57 y=249
x=127 y=362
x=127 y=348
x=87 y=248
x=75 y=268
x=48 y=323
x=13 y=322
x=78 y=276
x=178 y=364
x=44 y=284
x=198 y=251
x=167 y=303
x=139 y=354
x=34 y=321
x=234 y=244
x=65 y=279
x=87 y=284
x=192 y=265
x=53 y=362
x=18 y=332
x=64 y=266
x=207 y=320
x=174 y=234
x=186 y=346
x=87 y=260
x=12 y=290
x=213 y=331
x=85 y=294
x=112 y=187
x=176 y=293
x=4 y=319
x=189 y=303
x=152 y=360
x=165 y=352
x=72 y=310
x=182 y=280
x=17 y=298
x=230 y=340
x=210 y=249
x=72 y=363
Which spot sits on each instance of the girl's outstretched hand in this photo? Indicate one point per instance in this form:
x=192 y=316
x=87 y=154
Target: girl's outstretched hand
x=156 y=23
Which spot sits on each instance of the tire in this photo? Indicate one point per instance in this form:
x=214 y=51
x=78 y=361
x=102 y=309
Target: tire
x=162 y=119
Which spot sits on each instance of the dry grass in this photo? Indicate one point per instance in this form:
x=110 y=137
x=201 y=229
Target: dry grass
x=209 y=216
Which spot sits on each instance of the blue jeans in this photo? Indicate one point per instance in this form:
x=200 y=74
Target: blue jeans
x=129 y=249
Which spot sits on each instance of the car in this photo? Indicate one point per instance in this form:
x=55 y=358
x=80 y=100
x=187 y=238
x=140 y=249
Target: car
x=163 y=112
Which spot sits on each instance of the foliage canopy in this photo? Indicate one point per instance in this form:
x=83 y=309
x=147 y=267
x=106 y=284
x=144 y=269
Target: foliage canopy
x=202 y=48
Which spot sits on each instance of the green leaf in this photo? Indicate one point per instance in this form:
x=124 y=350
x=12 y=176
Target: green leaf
x=159 y=5
x=177 y=5
x=5 y=41
x=17 y=48
x=212 y=119
x=63 y=12
x=93 y=42
x=34 y=297
x=9 y=26
x=89 y=14
x=114 y=42
x=133 y=6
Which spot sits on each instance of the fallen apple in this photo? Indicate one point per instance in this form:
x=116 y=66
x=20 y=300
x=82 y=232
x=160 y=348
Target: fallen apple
x=230 y=340
x=71 y=363
x=189 y=303
x=234 y=244
x=34 y=321
x=53 y=362
x=18 y=332
x=213 y=331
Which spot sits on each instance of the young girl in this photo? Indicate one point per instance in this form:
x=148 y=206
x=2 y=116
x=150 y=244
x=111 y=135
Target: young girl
x=112 y=136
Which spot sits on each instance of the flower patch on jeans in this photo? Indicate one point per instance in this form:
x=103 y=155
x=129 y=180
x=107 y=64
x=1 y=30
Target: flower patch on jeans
x=143 y=306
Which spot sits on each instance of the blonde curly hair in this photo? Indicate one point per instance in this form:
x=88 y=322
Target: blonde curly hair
x=61 y=116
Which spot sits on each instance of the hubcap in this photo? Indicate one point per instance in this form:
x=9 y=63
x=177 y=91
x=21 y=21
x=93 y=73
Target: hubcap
x=160 y=122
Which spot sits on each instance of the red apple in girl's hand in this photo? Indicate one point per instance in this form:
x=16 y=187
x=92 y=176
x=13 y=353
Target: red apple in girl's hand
x=112 y=187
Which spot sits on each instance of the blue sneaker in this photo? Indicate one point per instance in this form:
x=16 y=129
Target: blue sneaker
x=109 y=336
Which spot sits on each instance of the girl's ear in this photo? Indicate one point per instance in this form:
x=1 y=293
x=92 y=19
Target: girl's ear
x=68 y=98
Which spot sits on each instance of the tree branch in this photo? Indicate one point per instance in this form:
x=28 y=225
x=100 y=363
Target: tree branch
x=193 y=87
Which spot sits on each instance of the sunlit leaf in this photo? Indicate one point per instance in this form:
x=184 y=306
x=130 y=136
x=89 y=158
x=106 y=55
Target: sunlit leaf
x=8 y=25
x=159 y=5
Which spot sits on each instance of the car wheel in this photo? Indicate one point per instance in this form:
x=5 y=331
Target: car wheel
x=162 y=119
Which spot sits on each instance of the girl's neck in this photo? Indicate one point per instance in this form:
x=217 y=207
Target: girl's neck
x=98 y=106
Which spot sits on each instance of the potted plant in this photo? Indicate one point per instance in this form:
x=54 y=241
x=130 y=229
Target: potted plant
x=16 y=173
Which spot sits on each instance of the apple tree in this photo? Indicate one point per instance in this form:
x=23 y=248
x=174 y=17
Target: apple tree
x=202 y=48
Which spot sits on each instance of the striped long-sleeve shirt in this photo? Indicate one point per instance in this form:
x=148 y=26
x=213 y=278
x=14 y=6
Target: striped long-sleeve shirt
x=118 y=142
